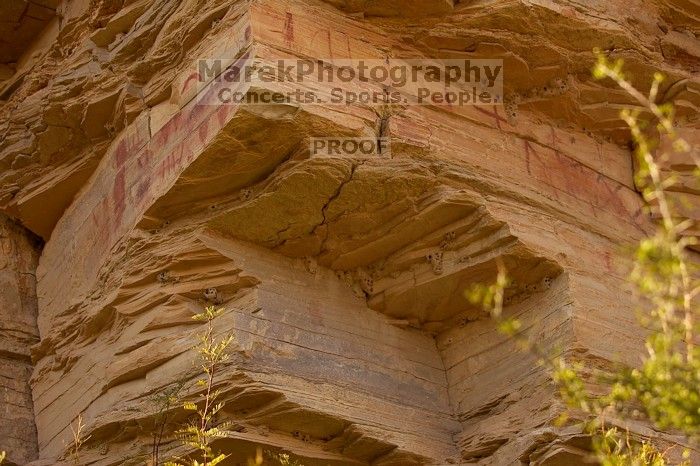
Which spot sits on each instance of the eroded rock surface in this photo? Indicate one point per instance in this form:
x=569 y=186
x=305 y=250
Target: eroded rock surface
x=343 y=277
x=19 y=253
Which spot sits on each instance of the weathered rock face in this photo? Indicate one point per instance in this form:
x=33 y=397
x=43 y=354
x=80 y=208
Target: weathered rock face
x=22 y=21
x=19 y=251
x=343 y=278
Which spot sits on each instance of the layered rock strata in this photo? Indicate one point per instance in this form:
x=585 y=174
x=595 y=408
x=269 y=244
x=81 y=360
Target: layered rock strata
x=343 y=277
x=19 y=253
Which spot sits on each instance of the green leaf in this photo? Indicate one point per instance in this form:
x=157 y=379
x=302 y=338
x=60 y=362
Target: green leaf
x=189 y=406
x=217 y=460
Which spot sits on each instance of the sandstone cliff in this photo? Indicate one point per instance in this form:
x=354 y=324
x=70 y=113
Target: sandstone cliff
x=19 y=252
x=343 y=277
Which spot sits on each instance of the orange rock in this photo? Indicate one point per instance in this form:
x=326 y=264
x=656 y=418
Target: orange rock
x=343 y=276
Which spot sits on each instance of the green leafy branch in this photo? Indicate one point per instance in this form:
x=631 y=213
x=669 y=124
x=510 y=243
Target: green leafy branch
x=665 y=389
x=203 y=429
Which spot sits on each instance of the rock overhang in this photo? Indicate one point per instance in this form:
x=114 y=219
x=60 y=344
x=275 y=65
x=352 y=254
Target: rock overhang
x=579 y=100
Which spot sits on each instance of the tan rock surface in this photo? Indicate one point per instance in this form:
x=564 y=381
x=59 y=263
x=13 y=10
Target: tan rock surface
x=343 y=277
x=19 y=253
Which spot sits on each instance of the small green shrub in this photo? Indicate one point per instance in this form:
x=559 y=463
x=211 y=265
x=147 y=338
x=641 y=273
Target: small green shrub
x=203 y=429
x=665 y=388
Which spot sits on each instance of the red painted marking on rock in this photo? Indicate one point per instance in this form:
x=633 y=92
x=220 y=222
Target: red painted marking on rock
x=203 y=130
x=121 y=153
x=143 y=188
x=193 y=77
x=288 y=28
x=493 y=114
x=119 y=195
x=528 y=148
x=222 y=115
x=498 y=117
x=608 y=261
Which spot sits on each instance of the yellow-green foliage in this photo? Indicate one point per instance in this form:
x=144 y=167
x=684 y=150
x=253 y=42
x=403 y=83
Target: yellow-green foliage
x=665 y=388
x=203 y=429
x=285 y=460
x=667 y=385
